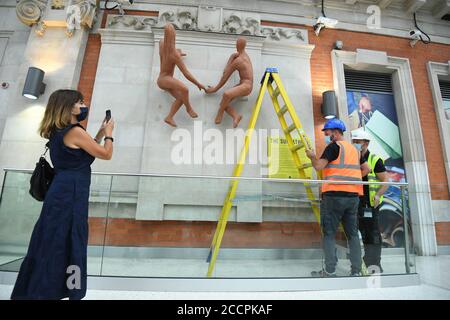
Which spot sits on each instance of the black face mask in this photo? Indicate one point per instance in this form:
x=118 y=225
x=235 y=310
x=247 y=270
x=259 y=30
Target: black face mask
x=83 y=113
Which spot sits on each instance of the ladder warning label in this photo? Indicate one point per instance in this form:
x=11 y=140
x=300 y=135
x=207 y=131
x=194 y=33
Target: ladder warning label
x=281 y=162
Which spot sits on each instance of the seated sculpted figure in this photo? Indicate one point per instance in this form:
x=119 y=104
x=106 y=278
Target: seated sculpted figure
x=171 y=57
x=238 y=61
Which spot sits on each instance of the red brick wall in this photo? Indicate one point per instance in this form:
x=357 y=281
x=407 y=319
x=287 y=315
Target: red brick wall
x=89 y=69
x=199 y=234
x=443 y=233
x=129 y=232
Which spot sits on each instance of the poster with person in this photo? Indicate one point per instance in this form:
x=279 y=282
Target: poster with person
x=376 y=114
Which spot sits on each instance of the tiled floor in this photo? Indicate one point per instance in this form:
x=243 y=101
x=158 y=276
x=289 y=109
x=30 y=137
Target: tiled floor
x=433 y=272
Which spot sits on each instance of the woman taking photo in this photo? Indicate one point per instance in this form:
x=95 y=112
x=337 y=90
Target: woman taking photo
x=60 y=236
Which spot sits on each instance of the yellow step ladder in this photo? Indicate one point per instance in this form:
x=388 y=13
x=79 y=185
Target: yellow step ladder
x=289 y=128
x=270 y=76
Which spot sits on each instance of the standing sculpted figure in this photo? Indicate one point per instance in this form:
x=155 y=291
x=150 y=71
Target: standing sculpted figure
x=238 y=61
x=171 y=57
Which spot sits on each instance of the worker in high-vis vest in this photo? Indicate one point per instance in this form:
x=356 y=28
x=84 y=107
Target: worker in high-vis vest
x=373 y=170
x=339 y=162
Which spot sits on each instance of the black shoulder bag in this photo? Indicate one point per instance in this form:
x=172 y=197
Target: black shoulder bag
x=41 y=178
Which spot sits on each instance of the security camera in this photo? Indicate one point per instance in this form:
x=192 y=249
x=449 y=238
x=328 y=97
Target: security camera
x=317 y=27
x=119 y=5
x=5 y=85
x=124 y=2
x=328 y=22
x=324 y=22
x=415 y=36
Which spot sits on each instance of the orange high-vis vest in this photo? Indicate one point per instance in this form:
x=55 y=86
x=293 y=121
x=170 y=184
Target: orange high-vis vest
x=345 y=168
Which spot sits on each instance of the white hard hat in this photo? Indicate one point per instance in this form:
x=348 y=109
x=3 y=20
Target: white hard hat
x=360 y=135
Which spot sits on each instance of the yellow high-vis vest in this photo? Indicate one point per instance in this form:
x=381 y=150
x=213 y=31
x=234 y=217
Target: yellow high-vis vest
x=372 y=177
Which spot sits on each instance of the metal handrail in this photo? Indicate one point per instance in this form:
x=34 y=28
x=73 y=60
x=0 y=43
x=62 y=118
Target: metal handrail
x=160 y=175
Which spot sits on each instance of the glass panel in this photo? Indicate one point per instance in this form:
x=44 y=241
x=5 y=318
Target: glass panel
x=161 y=227
x=98 y=212
x=272 y=232
x=18 y=214
x=391 y=218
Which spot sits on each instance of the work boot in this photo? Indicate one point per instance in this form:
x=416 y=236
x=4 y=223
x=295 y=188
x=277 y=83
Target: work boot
x=375 y=269
x=323 y=274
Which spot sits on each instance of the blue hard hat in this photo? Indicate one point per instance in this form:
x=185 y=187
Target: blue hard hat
x=334 y=124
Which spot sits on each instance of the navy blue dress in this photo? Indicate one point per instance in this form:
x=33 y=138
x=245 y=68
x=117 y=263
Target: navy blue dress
x=60 y=236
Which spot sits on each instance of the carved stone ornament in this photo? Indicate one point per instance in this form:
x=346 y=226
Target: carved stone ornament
x=30 y=11
x=238 y=24
x=184 y=19
x=209 y=19
x=279 y=34
x=138 y=23
x=78 y=13
x=58 y=4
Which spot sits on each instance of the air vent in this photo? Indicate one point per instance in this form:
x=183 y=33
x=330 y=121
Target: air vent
x=445 y=89
x=368 y=81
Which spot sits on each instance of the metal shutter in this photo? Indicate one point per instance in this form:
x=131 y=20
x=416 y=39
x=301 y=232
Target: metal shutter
x=368 y=81
x=445 y=89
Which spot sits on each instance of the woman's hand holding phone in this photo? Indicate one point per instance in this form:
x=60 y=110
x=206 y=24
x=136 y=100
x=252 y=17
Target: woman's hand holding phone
x=103 y=131
x=109 y=127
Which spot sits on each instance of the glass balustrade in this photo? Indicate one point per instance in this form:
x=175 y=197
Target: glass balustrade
x=165 y=226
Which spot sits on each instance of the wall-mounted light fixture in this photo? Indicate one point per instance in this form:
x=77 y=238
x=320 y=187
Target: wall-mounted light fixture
x=34 y=85
x=329 y=105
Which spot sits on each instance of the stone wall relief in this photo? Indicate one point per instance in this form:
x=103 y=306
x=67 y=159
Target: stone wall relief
x=287 y=34
x=184 y=19
x=209 y=19
x=239 y=23
x=82 y=13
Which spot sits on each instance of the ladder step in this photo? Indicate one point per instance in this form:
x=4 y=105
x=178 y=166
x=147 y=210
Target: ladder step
x=297 y=147
x=282 y=111
x=289 y=129
x=276 y=92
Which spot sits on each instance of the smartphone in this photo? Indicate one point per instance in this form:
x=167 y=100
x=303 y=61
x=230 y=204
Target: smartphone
x=108 y=115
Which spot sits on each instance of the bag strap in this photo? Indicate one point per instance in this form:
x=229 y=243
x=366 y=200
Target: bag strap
x=47 y=146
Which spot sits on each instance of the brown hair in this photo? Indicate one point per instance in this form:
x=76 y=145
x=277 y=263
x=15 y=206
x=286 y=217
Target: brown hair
x=58 y=112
